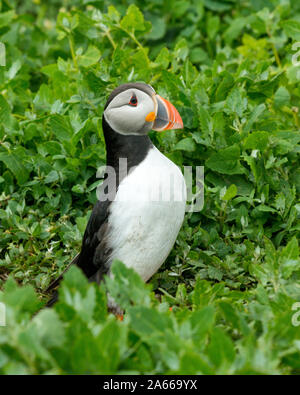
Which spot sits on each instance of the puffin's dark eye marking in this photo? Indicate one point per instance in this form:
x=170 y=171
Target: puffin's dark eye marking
x=133 y=101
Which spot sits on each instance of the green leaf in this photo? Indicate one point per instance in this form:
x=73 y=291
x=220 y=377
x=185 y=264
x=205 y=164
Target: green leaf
x=200 y=294
x=257 y=140
x=192 y=363
x=15 y=164
x=49 y=328
x=282 y=97
x=234 y=29
x=289 y=258
x=51 y=177
x=258 y=110
x=61 y=127
x=112 y=343
x=75 y=293
x=126 y=286
x=90 y=57
x=133 y=20
x=158 y=27
x=235 y=102
x=186 y=144
x=20 y=301
x=78 y=188
x=292 y=29
x=7 y=17
x=113 y=13
x=202 y=322
x=233 y=316
x=163 y=58
x=181 y=49
x=218 y=6
x=221 y=349
x=224 y=86
x=230 y=193
x=213 y=24
x=4 y=110
x=148 y=322
x=81 y=223
x=226 y=161
x=205 y=121
x=291 y=251
x=74 y=280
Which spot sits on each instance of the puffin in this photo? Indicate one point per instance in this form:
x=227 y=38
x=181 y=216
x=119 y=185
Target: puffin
x=141 y=203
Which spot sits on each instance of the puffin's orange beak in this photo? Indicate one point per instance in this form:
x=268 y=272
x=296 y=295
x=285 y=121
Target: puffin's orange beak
x=167 y=117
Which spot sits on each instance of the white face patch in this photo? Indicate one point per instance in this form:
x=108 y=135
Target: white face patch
x=125 y=118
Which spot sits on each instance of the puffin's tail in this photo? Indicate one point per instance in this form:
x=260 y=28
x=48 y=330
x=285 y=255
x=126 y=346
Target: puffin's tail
x=53 y=299
x=57 y=281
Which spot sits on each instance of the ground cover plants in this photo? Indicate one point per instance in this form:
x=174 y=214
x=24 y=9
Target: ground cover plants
x=226 y=299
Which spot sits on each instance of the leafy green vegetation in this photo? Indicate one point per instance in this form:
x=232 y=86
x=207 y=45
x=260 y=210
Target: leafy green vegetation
x=233 y=277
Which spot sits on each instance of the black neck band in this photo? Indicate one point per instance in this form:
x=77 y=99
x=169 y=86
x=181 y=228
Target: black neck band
x=130 y=147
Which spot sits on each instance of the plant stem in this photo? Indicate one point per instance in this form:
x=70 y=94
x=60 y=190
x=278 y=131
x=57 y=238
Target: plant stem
x=71 y=43
x=107 y=33
x=276 y=55
x=295 y=116
x=275 y=52
x=133 y=38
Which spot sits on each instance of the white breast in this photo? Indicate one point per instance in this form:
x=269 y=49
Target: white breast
x=147 y=213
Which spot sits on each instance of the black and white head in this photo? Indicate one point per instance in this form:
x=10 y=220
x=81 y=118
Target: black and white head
x=135 y=109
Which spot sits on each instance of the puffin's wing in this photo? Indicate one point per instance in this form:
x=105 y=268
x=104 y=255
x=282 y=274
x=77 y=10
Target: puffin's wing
x=94 y=252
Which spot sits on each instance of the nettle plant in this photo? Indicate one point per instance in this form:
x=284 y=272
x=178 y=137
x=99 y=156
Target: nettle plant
x=233 y=275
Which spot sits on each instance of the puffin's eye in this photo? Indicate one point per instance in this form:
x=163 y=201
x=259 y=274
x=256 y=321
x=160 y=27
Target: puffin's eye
x=133 y=101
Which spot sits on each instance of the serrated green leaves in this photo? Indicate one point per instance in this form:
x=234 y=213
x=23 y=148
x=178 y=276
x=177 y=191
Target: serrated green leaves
x=90 y=57
x=292 y=29
x=163 y=58
x=235 y=102
x=221 y=349
x=133 y=20
x=14 y=163
x=257 y=141
x=186 y=144
x=282 y=97
x=127 y=286
x=61 y=127
x=4 y=110
x=230 y=193
x=226 y=161
x=232 y=278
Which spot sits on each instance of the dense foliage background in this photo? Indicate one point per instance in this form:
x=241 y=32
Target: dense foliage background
x=232 y=70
